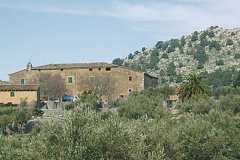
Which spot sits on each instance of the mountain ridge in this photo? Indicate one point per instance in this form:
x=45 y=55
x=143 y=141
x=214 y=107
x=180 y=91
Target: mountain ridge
x=201 y=51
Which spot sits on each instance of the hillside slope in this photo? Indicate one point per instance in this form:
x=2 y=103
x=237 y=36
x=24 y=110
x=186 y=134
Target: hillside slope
x=204 y=51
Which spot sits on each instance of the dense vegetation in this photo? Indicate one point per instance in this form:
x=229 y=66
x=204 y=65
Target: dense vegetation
x=13 y=119
x=140 y=127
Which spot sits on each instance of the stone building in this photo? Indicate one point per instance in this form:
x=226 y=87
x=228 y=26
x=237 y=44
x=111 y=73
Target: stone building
x=4 y=82
x=16 y=94
x=109 y=80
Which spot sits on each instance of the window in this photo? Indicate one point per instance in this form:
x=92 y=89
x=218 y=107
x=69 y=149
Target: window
x=92 y=79
x=99 y=69
x=12 y=94
x=121 y=96
x=90 y=69
x=130 y=90
x=108 y=69
x=34 y=80
x=61 y=69
x=130 y=78
x=22 y=81
x=70 y=79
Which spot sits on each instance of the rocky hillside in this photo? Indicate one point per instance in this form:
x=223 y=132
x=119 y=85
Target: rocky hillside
x=204 y=51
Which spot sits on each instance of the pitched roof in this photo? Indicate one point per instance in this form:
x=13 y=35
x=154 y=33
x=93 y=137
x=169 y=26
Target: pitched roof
x=74 y=65
x=19 y=87
x=79 y=65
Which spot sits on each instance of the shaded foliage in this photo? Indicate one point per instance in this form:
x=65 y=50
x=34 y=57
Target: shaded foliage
x=193 y=85
x=118 y=61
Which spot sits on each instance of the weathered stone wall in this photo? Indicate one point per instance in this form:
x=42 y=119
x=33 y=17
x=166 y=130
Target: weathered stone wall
x=150 y=81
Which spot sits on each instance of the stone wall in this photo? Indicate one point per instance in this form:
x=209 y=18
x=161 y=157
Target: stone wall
x=150 y=81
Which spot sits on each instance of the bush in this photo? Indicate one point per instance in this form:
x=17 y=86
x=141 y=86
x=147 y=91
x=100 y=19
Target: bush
x=200 y=66
x=237 y=56
x=183 y=41
x=230 y=103
x=197 y=105
x=226 y=91
x=219 y=62
x=214 y=44
x=118 y=61
x=146 y=104
x=69 y=106
x=201 y=55
x=37 y=112
x=194 y=38
x=159 y=44
x=229 y=42
x=165 y=55
x=170 y=49
x=171 y=69
x=211 y=34
x=130 y=56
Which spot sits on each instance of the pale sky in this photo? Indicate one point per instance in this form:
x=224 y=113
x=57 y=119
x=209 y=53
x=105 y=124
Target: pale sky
x=75 y=31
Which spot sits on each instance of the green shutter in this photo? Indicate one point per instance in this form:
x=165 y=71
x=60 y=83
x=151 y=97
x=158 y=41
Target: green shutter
x=70 y=80
x=22 y=81
x=12 y=94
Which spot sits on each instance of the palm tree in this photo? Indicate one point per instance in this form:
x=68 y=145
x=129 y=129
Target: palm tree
x=193 y=85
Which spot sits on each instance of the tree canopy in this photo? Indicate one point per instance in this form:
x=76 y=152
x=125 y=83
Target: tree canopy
x=193 y=85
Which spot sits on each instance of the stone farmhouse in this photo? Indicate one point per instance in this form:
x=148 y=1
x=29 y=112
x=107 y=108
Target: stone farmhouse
x=112 y=81
x=15 y=94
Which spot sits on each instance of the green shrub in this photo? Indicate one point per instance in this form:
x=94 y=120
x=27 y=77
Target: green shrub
x=226 y=91
x=146 y=104
x=200 y=66
x=230 y=103
x=197 y=105
x=210 y=136
x=37 y=112
x=165 y=55
x=69 y=106
x=229 y=42
x=219 y=62
x=237 y=56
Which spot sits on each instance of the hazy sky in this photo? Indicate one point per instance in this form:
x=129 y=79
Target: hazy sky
x=74 y=31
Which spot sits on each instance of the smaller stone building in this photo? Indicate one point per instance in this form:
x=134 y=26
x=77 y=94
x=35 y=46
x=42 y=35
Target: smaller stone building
x=16 y=94
x=4 y=82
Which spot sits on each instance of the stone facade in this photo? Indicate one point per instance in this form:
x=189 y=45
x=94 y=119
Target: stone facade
x=15 y=94
x=80 y=77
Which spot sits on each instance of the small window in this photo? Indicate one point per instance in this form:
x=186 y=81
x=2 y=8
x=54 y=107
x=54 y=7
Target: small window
x=70 y=79
x=121 y=96
x=12 y=94
x=90 y=69
x=130 y=90
x=130 y=78
x=92 y=79
x=34 y=80
x=108 y=69
x=22 y=81
x=61 y=69
x=99 y=69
